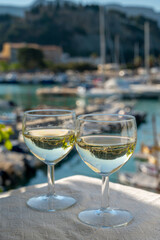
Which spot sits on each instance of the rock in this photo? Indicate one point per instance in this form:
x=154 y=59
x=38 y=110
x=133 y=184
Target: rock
x=31 y=161
x=14 y=165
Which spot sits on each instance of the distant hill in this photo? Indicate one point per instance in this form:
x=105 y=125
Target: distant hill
x=20 y=11
x=129 y=10
x=136 y=11
x=76 y=29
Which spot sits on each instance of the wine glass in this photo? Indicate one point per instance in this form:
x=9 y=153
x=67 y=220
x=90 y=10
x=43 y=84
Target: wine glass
x=49 y=134
x=105 y=143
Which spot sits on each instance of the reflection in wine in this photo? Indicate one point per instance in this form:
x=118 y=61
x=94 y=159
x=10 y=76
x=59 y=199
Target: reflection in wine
x=105 y=154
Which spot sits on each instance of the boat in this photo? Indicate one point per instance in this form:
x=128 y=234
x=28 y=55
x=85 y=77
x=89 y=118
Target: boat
x=60 y=91
x=11 y=78
x=148 y=166
x=140 y=179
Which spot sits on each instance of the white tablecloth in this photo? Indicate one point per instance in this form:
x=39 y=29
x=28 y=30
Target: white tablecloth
x=17 y=221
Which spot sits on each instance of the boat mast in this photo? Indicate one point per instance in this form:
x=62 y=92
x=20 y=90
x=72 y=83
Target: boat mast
x=116 y=52
x=136 y=50
x=146 y=45
x=102 y=40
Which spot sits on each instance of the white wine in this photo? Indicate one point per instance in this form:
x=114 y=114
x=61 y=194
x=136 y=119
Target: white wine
x=105 y=154
x=49 y=145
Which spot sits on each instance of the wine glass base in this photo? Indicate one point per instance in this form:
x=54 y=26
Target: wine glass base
x=107 y=218
x=51 y=203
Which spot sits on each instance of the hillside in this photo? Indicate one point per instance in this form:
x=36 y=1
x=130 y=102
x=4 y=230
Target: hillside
x=131 y=11
x=76 y=29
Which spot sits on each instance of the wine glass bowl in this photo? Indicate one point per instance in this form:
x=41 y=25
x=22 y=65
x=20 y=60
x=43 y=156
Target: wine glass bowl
x=49 y=135
x=105 y=143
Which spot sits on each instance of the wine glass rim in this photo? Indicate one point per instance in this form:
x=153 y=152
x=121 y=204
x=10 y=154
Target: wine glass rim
x=125 y=118
x=62 y=112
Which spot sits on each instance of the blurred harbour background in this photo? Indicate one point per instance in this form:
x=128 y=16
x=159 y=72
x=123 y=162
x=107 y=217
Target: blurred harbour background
x=87 y=57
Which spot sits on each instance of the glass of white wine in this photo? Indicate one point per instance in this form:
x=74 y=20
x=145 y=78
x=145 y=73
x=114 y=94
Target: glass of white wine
x=105 y=143
x=49 y=135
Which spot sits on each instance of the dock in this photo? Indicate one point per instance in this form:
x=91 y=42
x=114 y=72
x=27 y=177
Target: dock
x=57 y=91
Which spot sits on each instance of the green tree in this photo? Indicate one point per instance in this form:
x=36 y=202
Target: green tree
x=62 y=67
x=138 y=61
x=31 y=58
x=4 y=66
x=152 y=61
x=94 y=55
x=14 y=67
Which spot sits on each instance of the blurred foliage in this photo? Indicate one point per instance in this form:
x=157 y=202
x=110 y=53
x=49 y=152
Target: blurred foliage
x=152 y=61
x=138 y=61
x=62 y=67
x=93 y=55
x=30 y=58
x=14 y=66
x=37 y=62
x=4 y=66
x=5 y=133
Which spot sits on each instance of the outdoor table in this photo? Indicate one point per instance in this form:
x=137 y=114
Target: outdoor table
x=21 y=222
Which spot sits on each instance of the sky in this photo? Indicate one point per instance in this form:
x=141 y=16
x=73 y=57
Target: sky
x=147 y=3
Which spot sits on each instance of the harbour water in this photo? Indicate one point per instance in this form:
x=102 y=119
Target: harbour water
x=25 y=97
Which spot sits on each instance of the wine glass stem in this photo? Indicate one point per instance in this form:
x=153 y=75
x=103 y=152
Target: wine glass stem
x=51 y=186
x=105 y=193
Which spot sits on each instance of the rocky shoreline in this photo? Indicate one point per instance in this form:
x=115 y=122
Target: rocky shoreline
x=15 y=166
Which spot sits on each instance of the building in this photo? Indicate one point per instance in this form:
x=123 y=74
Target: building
x=51 y=53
